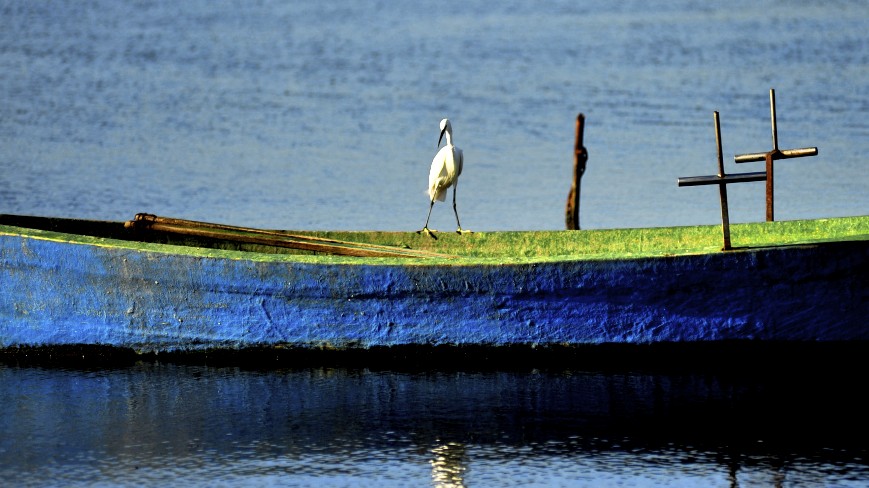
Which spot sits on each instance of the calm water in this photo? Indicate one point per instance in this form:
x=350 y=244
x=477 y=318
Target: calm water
x=157 y=424
x=325 y=115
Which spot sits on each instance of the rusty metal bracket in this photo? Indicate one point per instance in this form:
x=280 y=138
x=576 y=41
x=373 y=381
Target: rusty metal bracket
x=770 y=156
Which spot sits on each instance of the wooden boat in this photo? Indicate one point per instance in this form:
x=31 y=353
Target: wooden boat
x=158 y=285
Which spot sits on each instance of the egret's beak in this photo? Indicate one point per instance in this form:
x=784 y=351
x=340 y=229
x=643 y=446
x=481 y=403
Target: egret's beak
x=441 y=137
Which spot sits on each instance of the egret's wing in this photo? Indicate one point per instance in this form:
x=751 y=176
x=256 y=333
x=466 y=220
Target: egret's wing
x=437 y=177
x=458 y=160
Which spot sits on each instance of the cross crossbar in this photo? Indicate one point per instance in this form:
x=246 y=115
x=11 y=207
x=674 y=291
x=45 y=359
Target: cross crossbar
x=721 y=180
x=783 y=154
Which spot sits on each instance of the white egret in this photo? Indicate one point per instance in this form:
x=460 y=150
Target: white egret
x=445 y=170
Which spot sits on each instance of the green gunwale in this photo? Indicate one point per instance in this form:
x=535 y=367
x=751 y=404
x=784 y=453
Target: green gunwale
x=516 y=247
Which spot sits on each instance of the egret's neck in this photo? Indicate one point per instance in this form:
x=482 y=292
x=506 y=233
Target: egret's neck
x=449 y=137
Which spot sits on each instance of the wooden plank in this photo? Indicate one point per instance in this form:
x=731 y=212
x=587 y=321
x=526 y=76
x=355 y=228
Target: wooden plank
x=145 y=221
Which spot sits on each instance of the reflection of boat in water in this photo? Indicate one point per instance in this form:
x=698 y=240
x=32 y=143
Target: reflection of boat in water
x=160 y=285
x=458 y=426
x=448 y=465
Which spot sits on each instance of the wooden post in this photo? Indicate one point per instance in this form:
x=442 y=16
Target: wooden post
x=580 y=158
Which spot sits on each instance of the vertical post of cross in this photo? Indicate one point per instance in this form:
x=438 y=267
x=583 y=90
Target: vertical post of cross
x=772 y=117
x=770 y=157
x=722 y=189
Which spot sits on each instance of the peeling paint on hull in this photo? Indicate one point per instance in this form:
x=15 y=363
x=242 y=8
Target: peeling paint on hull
x=55 y=293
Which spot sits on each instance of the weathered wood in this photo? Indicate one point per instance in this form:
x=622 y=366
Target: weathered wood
x=146 y=222
x=580 y=159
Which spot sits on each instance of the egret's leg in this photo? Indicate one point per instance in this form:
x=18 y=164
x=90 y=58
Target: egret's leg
x=431 y=206
x=425 y=229
x=455 y=209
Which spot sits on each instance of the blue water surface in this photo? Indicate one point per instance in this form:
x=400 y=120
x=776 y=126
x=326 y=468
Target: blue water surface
x=324 y=115
x=157 y=424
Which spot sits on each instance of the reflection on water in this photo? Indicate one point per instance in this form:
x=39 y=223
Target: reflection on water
x=448 y=465
x=155 y=423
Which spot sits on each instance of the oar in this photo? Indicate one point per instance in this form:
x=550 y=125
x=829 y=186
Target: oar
x=273 y=238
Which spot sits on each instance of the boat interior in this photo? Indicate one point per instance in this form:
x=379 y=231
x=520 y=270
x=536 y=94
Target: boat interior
x=164 y=230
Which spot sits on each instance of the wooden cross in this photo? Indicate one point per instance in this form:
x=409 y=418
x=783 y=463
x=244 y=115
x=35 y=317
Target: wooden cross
x=771 y=156
x=722 y=180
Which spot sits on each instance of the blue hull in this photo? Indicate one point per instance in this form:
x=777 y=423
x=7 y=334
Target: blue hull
x=55 y=293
